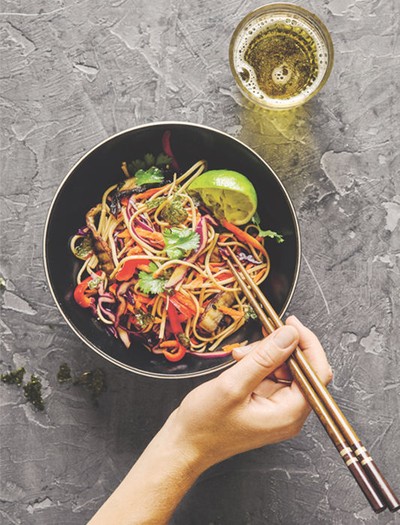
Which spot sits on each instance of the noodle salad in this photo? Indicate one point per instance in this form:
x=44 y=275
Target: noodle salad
x=154 y=264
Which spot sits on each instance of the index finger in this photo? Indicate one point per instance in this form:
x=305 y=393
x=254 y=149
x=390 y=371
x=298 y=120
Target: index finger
x=313 y=351
x=291 y=399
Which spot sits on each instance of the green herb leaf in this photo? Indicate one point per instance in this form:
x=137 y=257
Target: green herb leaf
x=152 y=176
x=94 y=283
x=155 y=203
x=143 y=319
x=184 y=340
x=33 y=392
x=149 y=159
x=14 y=377
x=136 y=165
x=180 y=241
x=94 y=381
x=266 y=233
x=64 y=374
x=250 y=313
x=162 y=160
x=256 y=219
x=273 y=235
x=174 y=213
x=148 y=283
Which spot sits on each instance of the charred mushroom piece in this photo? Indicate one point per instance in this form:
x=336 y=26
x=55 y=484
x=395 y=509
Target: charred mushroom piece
x=127 y=185
x=100 y=246
x=212 y=316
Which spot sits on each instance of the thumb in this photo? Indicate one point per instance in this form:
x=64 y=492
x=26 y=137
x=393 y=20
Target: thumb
x=267 y=355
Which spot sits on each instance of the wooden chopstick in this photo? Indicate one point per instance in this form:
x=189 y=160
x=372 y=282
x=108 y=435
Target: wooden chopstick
x=322 y=392
x=337 y=437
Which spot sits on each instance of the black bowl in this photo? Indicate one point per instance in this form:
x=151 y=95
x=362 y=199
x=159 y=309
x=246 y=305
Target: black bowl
x=83 y=187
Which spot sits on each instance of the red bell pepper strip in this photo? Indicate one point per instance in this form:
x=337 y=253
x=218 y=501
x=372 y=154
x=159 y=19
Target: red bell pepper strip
x=173 y=319
x=177 y=356
x=166 y=144
x=176 y=329
x=244 y=236
x=129 y=268
x=79 y=293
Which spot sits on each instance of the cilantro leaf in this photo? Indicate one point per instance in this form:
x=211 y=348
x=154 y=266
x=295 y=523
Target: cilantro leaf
x=149 y=160
x=148 y=283
x=266 y=233
x=136 y=165
x=179 y=241
x=162 y=160
x=272 y=235
x=152 y=176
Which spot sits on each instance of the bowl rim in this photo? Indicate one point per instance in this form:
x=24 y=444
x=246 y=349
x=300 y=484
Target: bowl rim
x=81 y=336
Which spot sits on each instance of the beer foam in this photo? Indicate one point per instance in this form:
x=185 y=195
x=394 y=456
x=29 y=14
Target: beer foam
x=246 y=73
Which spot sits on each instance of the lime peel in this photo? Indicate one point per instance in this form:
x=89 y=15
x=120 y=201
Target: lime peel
x=228 y=194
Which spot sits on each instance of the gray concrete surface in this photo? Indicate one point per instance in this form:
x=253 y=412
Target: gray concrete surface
x=75 y=72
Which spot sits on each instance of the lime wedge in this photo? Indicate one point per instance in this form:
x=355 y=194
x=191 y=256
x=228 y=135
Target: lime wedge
x=228 y=194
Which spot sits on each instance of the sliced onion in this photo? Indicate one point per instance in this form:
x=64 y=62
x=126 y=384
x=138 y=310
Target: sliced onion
x=209 y=355
x=142 y=224
x=106 y=313
x=124 y=336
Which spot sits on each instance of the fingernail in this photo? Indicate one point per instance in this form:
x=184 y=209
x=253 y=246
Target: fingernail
x=241 y=350
x=296 y=319
x=285 y=336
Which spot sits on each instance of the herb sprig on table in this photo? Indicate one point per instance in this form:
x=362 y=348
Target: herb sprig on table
x=94 y=381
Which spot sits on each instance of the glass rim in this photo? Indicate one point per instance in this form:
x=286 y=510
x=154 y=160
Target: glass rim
x=279 y=7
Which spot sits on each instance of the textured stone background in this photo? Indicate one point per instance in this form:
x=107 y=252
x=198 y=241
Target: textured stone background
x=75 y=72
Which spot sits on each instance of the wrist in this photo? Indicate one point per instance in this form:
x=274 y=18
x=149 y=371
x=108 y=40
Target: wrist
x=173 y=440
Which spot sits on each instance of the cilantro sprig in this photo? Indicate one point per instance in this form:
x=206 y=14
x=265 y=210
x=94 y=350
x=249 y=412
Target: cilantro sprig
x=149 y=284
x=266 y=233
x=151 y=176
x=179 y=241
x=147 y=162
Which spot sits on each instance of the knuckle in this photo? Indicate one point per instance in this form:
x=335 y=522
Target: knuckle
x=264 y=359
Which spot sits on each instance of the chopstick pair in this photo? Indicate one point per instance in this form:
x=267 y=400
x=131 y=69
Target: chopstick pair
x=356 y=457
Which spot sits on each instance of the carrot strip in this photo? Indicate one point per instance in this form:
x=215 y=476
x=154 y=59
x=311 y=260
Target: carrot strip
x=136 y=250
x=230 y=348
x=169 y=344
x=231 y=312
x=244 y=236
x=148 y=193
x=223 y=276
x=124 y=234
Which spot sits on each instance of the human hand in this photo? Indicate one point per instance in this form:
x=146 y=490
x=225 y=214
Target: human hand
x=237 y=411
x=241 y=409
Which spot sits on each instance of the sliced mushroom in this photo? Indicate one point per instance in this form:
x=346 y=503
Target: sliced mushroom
x=212 y=316
x=100 y=246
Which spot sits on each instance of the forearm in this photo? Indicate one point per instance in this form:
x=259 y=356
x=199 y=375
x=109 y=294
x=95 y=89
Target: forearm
x=155 y=485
